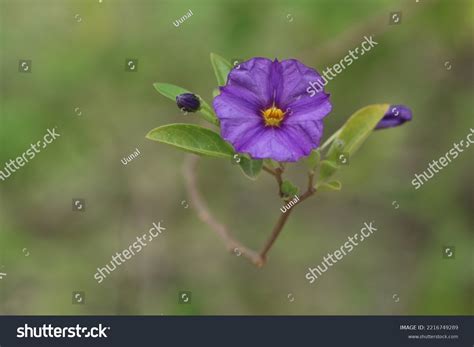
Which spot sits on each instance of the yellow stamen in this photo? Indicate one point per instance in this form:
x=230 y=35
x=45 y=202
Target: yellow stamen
x=273 y=116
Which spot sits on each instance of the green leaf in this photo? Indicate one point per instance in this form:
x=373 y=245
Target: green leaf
x=351 y=136
x=356 y=130
x=171 y=92
x=289 y=189
x=221 y=68
x=312 y=160
x=192 y=138
x=251 y=168
x=327 y=169
x=329 y=186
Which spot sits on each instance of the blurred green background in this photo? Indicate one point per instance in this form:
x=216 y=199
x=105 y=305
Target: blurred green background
x=78 y=51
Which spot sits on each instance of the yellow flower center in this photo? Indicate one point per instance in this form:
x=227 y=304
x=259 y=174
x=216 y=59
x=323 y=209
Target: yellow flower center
x=273 y=116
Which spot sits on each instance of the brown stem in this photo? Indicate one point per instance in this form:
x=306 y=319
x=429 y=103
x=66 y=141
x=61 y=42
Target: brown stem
x=279 y=179
x=197 y=202
x=204 y=214
x=274 y=235
x=284 y=217
x=270 y=171
x=311 y=181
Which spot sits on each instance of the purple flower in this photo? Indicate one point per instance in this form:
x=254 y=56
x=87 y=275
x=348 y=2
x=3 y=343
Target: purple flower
x=188 y=102
x=395 y=116
x=265 y=110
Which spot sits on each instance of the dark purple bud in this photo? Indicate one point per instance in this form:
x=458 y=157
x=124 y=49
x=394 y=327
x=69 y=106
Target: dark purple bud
x=188 y=102
x=395 y=116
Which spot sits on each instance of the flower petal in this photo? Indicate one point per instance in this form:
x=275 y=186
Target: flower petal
x=240 y=131
x=286 y=144
x=293 y=80
x=307 y=136
x=395 y=116
x=308 y=108
x=253 y=80
x=230 y=106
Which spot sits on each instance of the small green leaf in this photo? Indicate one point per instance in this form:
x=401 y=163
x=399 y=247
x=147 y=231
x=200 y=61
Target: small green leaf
x=192 y=138
x=312 y=160
x=289 y=189
x=327 y=169
x=356 y=130
x=215 y=92
x=171 y=92
x=251 y=168
x=329 y=186
x=221 y=68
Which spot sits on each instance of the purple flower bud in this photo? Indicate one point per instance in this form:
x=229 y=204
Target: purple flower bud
x=188 y=102
x=395 y=116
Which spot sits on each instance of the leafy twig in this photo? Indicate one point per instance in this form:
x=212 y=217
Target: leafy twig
x=197 y=202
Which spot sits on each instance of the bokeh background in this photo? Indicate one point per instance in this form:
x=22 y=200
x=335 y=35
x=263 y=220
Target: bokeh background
x=78 y=51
